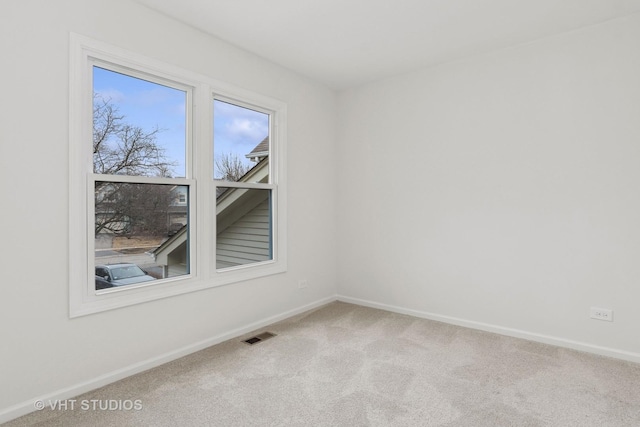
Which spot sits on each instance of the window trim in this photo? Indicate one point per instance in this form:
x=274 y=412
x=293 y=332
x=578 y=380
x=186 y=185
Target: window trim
x=199 y=178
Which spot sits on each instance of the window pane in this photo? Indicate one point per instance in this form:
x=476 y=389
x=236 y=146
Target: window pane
x=243 y=227
x=139 y=127
x=240 y=143
x=140 y=225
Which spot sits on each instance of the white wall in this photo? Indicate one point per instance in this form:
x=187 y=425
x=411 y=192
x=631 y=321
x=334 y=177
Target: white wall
x=42 y=350
x=501 y=191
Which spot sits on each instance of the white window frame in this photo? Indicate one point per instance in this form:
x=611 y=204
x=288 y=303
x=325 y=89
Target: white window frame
x=83 y=299
x=228 y=274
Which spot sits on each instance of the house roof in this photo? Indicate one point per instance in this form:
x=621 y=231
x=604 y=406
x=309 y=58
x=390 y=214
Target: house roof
x=225 y=198
x=171 y=242
x=260 y=150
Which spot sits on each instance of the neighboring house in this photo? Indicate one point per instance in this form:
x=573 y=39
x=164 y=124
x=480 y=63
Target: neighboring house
x=177 y=212
x=260 y=151
x=243 y=224
x=171 y=255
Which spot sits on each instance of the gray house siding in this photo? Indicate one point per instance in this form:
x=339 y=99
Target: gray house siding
x=247 y=239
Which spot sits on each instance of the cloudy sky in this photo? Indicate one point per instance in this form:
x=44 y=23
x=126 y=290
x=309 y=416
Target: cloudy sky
x=237 y=130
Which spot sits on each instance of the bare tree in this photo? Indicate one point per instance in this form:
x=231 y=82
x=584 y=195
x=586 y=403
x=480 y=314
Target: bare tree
x=131 y=209
x=120 y=148
x=229 y=167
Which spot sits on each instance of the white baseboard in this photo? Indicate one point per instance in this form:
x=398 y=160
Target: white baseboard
x=27 y=407
x=546 y=339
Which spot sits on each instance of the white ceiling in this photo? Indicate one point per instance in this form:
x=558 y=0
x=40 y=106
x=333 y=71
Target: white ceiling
x=344 y=43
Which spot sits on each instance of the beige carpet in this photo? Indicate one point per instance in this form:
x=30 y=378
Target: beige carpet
x=345 y=365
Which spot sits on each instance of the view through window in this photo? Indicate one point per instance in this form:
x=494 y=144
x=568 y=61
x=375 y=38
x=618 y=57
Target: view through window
x=139 y=137
x=244 y=198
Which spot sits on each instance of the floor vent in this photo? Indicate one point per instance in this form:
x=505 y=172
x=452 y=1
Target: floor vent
x=260 y=337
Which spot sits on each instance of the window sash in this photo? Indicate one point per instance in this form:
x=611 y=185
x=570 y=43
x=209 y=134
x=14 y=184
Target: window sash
x=156 y=77
x=273 y=156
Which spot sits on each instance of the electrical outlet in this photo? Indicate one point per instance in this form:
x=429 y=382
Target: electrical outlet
x=303 y=284
x=602 y=314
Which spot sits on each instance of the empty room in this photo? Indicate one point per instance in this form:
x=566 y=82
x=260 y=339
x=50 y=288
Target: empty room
x=236 y=213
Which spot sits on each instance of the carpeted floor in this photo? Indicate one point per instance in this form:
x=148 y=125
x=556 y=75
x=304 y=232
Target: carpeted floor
x=346 y=365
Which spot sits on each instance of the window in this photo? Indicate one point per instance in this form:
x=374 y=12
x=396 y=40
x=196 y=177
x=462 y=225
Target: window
x=139 y=130
x=244 y=226
x=147 y=220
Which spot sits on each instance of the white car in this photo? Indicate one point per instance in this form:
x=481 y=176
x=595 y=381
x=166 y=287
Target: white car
x=122 y=274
